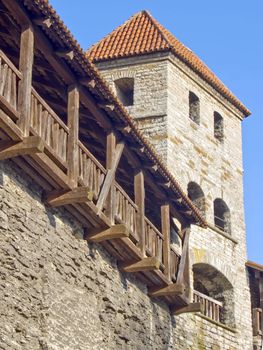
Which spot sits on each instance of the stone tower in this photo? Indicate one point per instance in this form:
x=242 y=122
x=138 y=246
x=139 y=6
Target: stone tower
x=194 y=122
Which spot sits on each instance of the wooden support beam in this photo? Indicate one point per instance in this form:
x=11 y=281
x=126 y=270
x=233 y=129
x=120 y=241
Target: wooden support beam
x=110 y=176
x=42 y=21
x=183 y=275
x=171 y=290
x=66 y=54
x=25 y=86
x=107 y=107
x=73 y=126
x=88 y=82
x=139 y=193
x=165 y=218
x=192 y=307
x=116 y=231
x=146 y=264
x=64 y=197
x=29 y=145
x=110 y=151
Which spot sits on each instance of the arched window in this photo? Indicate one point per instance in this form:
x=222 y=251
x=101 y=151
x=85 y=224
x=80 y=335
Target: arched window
x=215 y=292
x=194 y=107
x=218 y=127
x=196 y=194
x=125 y=90
x=222 y=215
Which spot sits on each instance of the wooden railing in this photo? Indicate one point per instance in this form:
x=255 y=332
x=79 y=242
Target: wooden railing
x=91 y=172
x=257 y=321
x=212 y=308
x=153 y=241
x=9 y=80
x=174 y=263
x=45 y=123
x=125 y=211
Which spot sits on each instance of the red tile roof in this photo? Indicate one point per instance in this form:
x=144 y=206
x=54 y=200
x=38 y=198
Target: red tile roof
x=142 y=34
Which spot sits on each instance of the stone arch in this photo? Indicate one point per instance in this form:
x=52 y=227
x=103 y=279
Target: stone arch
x=125 y=90
x=222 y=217
x=197 y=196
x=210 y=282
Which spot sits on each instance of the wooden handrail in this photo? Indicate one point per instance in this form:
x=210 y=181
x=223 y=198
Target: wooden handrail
x=91 y=156
x=257 y=321
x=208 y=298
x=125 y=195
x=153 y=227
x=212 y=308
x=10 y=64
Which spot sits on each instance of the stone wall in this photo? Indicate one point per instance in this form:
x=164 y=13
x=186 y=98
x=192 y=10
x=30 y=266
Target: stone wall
x=193 y=153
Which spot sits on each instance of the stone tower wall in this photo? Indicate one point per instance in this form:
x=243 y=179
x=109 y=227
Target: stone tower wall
x=194 y=154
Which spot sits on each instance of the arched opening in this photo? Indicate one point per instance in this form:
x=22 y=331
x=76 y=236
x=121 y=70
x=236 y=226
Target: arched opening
x=125 y=90
x=194 y=107
x=196 y=194
x=222 y=215
x=215 y=292
x=218 y=127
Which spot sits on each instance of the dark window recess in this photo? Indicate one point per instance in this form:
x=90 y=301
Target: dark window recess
x=194 y=108
x=196 y=194
x=218 y=127
x=222 y=216
x=125 y=90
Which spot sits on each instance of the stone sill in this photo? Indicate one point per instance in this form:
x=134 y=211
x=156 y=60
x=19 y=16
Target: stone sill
x=222 y=233
x=230 y=329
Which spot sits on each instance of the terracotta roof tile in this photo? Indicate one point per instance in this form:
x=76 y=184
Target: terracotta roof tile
x=142 y=34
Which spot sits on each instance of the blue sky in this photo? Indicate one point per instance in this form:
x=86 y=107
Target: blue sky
x=227 y=36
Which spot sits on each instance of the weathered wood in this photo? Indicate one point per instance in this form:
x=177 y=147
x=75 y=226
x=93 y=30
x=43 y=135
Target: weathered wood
x=107 y=107
x=139 y=192
x=192 y=307
x=183 y=275
x=146 y=264
x=110 y=151
x=73 y=127
x=43 y=21
x=110 y=176
x=29 y=145
x=25 y=67
x=88 y=82
x=60 y=198
x=171 y=290
x=116 y=231
x=67 y=54
x=165 y=217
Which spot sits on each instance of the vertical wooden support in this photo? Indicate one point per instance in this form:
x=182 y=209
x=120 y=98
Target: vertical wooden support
x=25 y=66
x=73 y=125
x=111 y=147
x=165 y=215
x=183 y=275
x=139 y=193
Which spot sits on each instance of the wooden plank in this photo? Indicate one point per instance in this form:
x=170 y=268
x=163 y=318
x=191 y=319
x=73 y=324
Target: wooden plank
x=73 y=127
x=165 y=217
x=192 y=307
x=43 y=21
x=110 y=176
x=66 y=54
x=139 y=192
x=114 y=232
x=111 y=148
x=146 y=264
x=8 y=126
x=25 y=67
x=183 y=275
x=60 y=198
x=29 y=145
x=171 y=290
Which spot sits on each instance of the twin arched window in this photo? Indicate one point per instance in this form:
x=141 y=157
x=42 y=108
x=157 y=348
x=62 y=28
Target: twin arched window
x=221 y=211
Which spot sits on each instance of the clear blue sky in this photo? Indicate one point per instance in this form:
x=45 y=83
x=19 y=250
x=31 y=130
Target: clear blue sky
x=228 y=37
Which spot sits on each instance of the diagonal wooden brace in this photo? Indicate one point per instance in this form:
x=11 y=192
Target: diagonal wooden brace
x=59 y=198
x=146 y=264
x=190 y=308
x=170 y=290
x=116 y=231
x=29 y=145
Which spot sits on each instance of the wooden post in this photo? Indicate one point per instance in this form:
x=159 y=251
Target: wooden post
x=25 y=85
x=111 y=146
x=183 y=275
x=165 y=215
x=73 y=125
x=139 y=193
